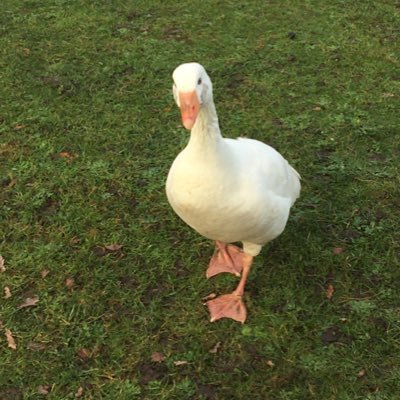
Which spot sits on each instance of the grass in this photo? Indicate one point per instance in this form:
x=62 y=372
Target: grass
x=88 y=130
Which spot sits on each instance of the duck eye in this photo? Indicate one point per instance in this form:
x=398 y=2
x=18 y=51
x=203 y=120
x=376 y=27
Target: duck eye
x=199 y=81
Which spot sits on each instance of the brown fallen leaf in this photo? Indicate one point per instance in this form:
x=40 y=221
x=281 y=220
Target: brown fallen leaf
x=75 y=240
x=44 y=273
x=157 y=357
x=10 y=339
x=270 y=363
x=19 y=126
x=179 y=363
x=29 y=302
x=7 y=292
x=79 y=392
x=361 y=373
x=36 y=346
x=338 y=250
x=83 y=354
x=215 y=349
x=44 y=389
x=113 y=247
x=317 y=108
x=67 y=155
x=69 y=283
x=388 y=95
x=2 y=262
x=329 y=291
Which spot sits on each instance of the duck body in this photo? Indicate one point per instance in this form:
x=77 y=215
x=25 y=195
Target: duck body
x=228 y=190
x=232 y=190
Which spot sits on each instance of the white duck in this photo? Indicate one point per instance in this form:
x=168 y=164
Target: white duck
x=228 y=190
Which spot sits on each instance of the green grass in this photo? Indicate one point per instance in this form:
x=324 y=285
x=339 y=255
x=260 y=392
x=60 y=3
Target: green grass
x=88 y=130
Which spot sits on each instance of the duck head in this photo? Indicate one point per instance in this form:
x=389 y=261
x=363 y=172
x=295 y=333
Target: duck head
x=192 y=89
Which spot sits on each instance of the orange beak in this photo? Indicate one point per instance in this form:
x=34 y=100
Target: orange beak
x=190 y=106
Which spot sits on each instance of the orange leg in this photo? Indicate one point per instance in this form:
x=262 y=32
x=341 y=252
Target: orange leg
x=226 y=258
x=231 y=305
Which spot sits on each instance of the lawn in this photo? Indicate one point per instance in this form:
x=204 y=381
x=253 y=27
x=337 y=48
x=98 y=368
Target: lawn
x=103 y=284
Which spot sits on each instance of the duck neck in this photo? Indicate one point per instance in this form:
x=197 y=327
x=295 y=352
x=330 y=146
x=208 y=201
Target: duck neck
x=205 y=134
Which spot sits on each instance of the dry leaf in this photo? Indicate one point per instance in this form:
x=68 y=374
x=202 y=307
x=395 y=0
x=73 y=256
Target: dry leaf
x=338 y=250
x=44 y=273
x=216 y=347
x=7 y=292
x=270 y=363
x=75 y=240
x=361 y=373
x=83 y=354
x=67 y=155
x=329 y=291
x=113 y=247
x=44 y=389
x=69 y=283
x=79 y=392
x=19 y=126
x=36 y=346
x=317 y=108
x=29 y=302
x=2 y=267
x=179 y=363
x=10 y=339
x=157 y=357
x=388 y=95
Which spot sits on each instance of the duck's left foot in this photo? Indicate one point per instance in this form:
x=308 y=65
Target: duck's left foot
x=227 y=306
x=226 y=258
